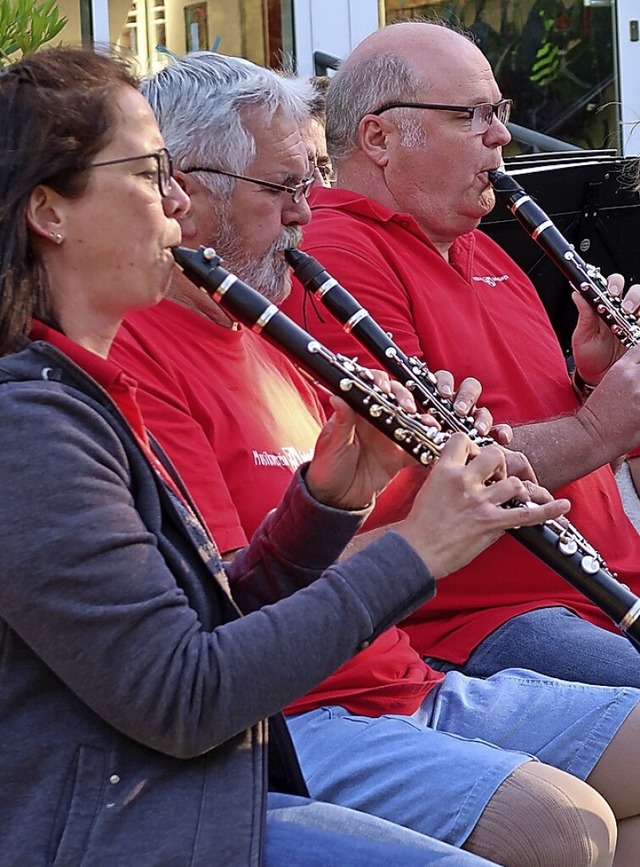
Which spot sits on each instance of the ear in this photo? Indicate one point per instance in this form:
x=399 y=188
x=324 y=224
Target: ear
x=200 y=198
x=187 y=182
x=375 y=134
x=45 y=214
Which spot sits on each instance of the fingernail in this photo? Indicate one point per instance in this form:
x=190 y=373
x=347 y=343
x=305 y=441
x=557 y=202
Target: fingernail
x=446 y=390
x=482 y=427
x=627 y=305
x=462 y=406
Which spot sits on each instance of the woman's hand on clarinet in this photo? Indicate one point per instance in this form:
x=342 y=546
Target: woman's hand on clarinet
x=353 y=462
x=458 y=511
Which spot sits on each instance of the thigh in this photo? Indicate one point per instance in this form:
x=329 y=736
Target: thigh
x=567 y=725
x=397 y=768
x=305 y=833
x=558 y=643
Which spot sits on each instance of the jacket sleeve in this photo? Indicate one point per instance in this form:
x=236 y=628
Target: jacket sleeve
x=84 y=585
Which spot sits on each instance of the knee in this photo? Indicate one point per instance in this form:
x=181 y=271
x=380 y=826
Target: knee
x=543 y=817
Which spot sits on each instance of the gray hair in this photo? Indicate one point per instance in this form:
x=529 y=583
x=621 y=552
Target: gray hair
x=199 y=101
x=358 y=89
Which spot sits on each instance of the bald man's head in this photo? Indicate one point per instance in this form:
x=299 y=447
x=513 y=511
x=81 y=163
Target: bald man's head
x=399 y=63
x=429 y=156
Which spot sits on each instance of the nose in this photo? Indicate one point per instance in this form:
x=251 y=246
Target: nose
x=176 y=203
x=497 y=134
x=296 y=213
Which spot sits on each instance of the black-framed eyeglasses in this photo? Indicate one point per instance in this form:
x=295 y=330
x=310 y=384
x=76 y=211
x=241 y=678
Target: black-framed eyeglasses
x=296 y=192
x=164 y=165
x=481 y=115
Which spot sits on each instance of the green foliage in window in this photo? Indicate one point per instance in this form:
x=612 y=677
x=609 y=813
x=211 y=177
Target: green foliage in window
x=25 y=25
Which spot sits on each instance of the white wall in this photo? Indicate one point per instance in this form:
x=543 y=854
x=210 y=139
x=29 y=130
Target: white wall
x=332 y=26
x=627 y=13
x=100 y=13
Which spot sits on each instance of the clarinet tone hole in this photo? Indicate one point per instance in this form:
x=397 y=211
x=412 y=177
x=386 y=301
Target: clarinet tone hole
x=590 y=565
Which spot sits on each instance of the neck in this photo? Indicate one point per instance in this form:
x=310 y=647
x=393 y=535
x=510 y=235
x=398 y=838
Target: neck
x=442 y=247
x=355 y=176
x=184 y=292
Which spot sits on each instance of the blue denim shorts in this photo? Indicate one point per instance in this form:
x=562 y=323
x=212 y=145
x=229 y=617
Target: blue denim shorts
x=556 y=642
x=435 y=771
x=302 y=833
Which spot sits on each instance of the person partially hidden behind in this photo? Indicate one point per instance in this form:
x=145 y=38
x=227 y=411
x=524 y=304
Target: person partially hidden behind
x=397 y=738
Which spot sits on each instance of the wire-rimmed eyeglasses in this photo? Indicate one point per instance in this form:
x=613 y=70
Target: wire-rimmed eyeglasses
x=297 y=192
x=481 y=115
x=164 y=165
x=324 y=169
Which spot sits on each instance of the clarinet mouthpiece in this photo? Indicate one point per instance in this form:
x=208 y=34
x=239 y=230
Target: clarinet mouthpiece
x=294 y=257
x=305 y=267
x=503 y=183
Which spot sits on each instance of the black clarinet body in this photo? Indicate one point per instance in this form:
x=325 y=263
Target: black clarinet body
x=412 y=372
x=339 y=374
x=562 y=548
x=582 y=276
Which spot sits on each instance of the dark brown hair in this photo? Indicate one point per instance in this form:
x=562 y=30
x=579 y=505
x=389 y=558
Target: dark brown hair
x=56 y=113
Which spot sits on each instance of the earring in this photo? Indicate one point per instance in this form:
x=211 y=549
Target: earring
x=57 y=237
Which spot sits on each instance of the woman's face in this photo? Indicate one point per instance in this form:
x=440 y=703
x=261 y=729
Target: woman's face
x=115 y=255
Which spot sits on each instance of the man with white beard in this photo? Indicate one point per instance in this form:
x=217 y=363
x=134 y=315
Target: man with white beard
x=232 y=410
x=212 y=392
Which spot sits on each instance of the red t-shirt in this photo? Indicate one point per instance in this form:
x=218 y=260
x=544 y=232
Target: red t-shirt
x=236 y=418
x=478 y=316
x=205 y=392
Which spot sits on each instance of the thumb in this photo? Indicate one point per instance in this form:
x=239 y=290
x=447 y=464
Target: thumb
x=585 y=310
x=343 y=415
x=589 y=323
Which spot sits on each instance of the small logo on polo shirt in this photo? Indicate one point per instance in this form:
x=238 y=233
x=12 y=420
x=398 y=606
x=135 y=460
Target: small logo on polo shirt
x=491 y=281
x=288 y=456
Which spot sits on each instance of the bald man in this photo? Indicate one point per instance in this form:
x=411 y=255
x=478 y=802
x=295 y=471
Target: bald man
x=400 y=232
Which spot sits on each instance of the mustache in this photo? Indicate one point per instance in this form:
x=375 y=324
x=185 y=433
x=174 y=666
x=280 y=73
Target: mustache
x=291 y=237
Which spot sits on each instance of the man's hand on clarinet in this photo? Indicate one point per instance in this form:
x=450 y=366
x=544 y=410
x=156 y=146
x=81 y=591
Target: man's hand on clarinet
x=458 y=512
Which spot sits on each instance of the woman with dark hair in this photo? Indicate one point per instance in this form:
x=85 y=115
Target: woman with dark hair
x=134 y=696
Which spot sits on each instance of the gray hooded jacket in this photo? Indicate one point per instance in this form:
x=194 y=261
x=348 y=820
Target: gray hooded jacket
x=133 y=697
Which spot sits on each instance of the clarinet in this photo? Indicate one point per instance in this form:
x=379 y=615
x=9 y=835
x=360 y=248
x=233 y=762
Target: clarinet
x=412 y=372
x=563 y=549
x=583 y=277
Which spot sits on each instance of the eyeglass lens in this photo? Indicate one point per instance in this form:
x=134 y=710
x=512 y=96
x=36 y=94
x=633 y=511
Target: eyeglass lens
x=165 y=171
x=302 y=189
x=483 y=115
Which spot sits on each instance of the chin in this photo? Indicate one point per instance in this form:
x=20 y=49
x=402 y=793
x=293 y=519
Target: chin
x=487 y=201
